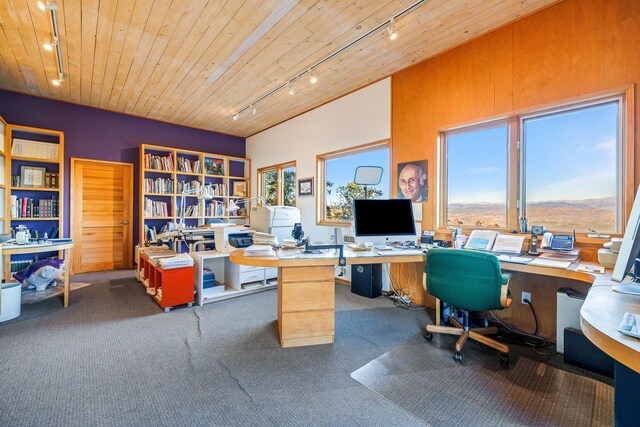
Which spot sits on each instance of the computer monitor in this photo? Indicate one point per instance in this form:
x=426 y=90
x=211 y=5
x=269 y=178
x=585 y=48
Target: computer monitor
x=629 y=251
x=381 y=221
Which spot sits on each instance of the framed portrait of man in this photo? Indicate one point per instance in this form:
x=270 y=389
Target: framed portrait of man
x=412 y=181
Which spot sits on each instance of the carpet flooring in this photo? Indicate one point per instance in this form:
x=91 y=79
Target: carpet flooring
x=480 y=392
x=114 y=358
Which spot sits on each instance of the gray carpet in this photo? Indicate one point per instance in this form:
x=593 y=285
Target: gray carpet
x=113 y=358
x=423 y=379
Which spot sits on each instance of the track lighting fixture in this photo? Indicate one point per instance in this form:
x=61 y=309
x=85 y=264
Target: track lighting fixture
x=42 y=6
x=313 y=79
x=54 y=43
x=391 y=29
x=57 y=82
x=51 y=5
x=48 y=46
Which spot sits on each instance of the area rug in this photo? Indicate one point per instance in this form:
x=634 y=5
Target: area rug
x=30 y=296
x=422 y=378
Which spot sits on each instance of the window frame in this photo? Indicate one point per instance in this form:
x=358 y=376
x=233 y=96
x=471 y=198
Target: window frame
x=515 y=172
x=279 y=168
x=321 y=173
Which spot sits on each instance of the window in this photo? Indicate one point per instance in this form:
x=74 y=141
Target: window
x=477 y=177
x=560 y=168
x=571 y=169
x=277 y=184
x=336 y=172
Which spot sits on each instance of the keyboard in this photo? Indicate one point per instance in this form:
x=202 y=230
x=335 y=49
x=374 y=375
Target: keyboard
x=514 y=259
x=394 y=252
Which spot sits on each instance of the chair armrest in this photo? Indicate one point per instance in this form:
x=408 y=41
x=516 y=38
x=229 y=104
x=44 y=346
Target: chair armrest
x=505 y=295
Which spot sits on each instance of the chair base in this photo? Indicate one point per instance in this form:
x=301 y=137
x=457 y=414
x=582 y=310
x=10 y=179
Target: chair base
x=476 y=334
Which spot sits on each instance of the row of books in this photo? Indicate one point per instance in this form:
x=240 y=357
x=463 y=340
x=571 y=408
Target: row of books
x=214 y=209
x=189 y=187
x=214 y=166
x=154 y=208
x=25 y=207
x=162 y=163
x=158 y=185
x=191 y=211
x=215 y=190
x=51 y=180
x=189 y=166
x=35 y=149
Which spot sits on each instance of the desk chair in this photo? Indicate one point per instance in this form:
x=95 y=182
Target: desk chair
x=470 y=281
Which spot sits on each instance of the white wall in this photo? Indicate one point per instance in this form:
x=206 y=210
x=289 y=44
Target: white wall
x=355 y=119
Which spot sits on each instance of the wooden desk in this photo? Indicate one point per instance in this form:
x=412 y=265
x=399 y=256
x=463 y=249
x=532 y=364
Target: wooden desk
x=306 y=292
x=7 y=251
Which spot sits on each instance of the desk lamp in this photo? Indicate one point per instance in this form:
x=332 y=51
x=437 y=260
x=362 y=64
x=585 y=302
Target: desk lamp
x=194 y=191
x=232 y=206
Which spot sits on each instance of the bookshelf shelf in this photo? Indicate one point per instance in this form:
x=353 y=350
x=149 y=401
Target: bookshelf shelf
x=28 y=218
x=212 y=172
x=34 y=159
x=56 y=190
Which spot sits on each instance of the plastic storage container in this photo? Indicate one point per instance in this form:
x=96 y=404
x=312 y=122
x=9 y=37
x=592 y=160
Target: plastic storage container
x=11 y=300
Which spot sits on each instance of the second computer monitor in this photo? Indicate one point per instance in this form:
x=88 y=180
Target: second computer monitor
x=381 y=221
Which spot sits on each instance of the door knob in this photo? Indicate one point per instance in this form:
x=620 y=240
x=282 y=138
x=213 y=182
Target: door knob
x=125 y=222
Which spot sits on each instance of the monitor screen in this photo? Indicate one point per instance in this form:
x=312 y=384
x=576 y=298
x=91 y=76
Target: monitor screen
x=630 y=246
x=383 y=220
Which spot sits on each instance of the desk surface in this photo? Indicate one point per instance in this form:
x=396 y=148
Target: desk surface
x=322 y=259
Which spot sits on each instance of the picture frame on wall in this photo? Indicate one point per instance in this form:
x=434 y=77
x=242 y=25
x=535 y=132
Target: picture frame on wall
x=240 y=189
x=305 y=187
x=31 y=176
x=412 y=181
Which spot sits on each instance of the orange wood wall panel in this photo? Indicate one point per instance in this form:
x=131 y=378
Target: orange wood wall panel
x=571 y=49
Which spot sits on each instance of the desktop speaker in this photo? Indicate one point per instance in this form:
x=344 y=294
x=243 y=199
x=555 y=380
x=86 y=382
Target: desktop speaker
x=366 y=280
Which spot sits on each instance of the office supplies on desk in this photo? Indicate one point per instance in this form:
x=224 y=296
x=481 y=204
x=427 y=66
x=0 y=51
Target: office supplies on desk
x=400 y=252
x=508 y=244
x=514 y=259
x=259 y=250
x=572 y=255
x=481 y=239
x=629 y=325
x=591 y=268
x=558 y=242
x=550 y=263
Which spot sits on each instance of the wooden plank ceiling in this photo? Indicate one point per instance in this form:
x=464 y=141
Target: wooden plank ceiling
x=197 y=62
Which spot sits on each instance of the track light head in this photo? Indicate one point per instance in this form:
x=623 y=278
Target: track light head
x=391 y=29
x=48 y=46
x=292 y=88
x=252 y=109
x=312 y=78
x=57 y=82
x=235 y=116
x=42 y=6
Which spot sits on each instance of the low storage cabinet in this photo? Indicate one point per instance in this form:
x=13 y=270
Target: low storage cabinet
x=171 y=287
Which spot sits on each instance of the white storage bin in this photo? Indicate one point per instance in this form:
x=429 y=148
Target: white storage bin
x=11 y=300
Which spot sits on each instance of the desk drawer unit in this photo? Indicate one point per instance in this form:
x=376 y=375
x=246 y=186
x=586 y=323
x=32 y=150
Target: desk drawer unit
x=306 y=299
x=251 y=276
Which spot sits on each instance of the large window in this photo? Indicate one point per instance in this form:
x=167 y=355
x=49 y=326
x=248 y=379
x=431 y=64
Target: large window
x=560 y=168
x=336 y=172
x=277 y=184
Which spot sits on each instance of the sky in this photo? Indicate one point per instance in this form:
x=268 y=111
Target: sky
x=569 y=156
x=342 y=170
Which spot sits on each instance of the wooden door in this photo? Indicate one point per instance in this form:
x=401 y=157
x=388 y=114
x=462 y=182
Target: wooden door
x=101 y=215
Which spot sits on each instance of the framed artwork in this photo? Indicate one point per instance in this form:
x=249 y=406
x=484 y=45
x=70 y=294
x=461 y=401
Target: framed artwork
x=240 y=189
x=31 y=176
x=305 y=187
x=412 y=181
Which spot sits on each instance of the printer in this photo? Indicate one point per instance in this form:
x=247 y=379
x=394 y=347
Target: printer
x=232 y=237
x=275 y=220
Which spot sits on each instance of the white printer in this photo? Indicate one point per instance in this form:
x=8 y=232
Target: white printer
x=276 y=220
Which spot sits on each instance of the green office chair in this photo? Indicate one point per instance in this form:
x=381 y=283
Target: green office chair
x=470 y=281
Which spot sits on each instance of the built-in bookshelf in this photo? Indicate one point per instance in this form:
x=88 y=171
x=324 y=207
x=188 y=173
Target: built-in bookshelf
x=166 y=174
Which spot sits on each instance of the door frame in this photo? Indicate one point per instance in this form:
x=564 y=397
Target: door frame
x=72 y=200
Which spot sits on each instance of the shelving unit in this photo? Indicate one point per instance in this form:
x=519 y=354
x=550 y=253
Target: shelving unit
x=165 y=171
x=31 y=182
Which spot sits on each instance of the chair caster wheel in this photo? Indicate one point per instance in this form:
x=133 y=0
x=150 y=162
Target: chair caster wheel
x=190 y=304
x=457 y=357
x=428 y=336
x=504 y=359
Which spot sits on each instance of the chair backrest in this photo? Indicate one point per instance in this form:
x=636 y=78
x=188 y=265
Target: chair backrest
x=467 y=279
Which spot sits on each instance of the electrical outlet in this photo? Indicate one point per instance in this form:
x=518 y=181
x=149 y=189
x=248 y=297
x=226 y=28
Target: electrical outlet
x=526 y=296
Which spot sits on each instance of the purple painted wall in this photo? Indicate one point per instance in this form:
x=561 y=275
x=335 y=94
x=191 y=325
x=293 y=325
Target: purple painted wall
x=96 y=134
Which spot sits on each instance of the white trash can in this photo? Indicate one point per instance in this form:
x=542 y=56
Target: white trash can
x=11 y=300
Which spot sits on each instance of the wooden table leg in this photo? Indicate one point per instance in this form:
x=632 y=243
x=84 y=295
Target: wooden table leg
x=67 y=273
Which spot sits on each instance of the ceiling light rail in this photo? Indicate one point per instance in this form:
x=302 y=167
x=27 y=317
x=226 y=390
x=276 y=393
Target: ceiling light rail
x=389 y=24
x=54 y=44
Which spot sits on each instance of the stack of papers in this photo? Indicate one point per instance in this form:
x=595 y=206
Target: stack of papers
x=264 y=239
x=178 y=261
x=541 y=262
x=572 y=255
x=259 y=250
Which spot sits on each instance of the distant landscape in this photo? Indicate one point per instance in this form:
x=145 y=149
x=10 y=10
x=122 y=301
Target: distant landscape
x=581 y=215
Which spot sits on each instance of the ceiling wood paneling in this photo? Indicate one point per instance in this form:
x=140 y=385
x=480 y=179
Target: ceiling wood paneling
x=197 y=62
